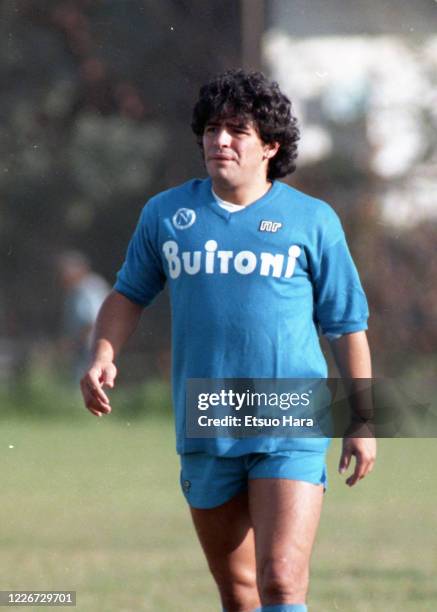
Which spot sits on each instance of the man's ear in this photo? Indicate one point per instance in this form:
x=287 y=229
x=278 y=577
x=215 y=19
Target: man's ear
x=271 y=149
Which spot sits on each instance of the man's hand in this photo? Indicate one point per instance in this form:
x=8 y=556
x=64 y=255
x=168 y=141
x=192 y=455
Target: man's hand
x=98 y=376
x=115 y=322
x=364 y=450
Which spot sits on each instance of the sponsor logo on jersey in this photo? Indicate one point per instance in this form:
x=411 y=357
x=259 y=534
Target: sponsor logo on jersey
x=214 y=261
x=184 y=218
x=269 y=226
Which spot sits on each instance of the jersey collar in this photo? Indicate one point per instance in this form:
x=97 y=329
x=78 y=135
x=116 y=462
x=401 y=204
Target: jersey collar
x=246 y=210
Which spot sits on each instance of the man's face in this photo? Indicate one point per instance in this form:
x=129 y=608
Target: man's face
x=234 y=153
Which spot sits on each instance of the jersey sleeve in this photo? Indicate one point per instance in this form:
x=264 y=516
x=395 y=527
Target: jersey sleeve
x=142 y=276
x=340 y=302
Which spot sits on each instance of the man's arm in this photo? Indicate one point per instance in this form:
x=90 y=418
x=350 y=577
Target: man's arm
x=352 y=355
x=117 y=319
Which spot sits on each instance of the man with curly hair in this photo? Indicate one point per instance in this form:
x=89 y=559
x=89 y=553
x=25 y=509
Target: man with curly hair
x=255 y=270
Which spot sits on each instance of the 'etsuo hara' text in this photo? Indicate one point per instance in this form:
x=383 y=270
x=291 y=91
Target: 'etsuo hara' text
x=253 y=421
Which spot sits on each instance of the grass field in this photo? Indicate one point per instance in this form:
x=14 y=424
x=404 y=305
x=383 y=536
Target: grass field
x=94 y=506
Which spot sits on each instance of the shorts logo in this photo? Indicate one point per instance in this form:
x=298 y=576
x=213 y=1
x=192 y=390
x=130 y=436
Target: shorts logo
x=186 y=485
x=269 y=226
x=184 y=218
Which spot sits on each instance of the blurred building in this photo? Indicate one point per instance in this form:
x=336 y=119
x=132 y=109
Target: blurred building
x=363 y=80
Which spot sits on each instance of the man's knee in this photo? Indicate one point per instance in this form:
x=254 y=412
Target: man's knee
x=239 y=598
x=283 y=580
x=238 y=592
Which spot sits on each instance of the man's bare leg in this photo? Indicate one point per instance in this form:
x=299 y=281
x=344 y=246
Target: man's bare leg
x=285 y=515
x=226 y=537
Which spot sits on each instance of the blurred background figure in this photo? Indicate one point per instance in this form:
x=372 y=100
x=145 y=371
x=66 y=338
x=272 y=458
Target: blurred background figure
x=84 y=293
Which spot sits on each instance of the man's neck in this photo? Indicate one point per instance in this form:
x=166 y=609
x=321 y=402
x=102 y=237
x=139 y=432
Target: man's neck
x=241 y=195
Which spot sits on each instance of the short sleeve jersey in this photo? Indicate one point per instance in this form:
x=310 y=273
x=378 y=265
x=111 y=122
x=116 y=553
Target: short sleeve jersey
x=250 y=291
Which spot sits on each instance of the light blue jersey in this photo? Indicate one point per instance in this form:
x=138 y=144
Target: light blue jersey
x=250 y=292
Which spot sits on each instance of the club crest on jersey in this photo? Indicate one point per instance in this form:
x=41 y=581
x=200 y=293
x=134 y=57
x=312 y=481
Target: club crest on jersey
x=184 y=218
x=269 y=226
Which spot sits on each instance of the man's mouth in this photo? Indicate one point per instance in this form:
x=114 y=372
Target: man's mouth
x=221 y=158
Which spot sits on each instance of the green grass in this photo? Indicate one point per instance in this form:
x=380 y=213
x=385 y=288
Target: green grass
x=93 y=505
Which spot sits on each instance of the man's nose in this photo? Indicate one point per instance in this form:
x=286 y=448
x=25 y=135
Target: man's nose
x=223 y=138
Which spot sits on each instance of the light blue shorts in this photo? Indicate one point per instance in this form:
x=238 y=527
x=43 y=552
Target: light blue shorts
x=208 y=481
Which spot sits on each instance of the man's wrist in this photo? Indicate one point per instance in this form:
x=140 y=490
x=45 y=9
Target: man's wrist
x=102 y=353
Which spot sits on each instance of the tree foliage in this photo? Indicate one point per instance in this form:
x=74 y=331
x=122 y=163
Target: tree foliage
x=96 y=106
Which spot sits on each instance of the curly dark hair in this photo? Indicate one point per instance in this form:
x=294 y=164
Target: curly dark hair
x=250 y=96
